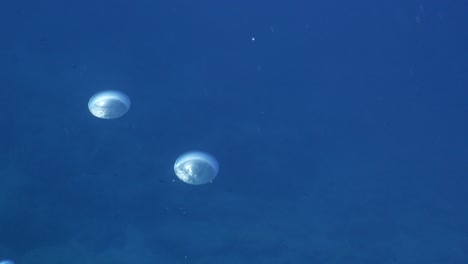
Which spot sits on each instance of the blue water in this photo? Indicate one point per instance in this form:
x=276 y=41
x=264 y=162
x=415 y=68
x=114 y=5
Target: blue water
x=340 y=127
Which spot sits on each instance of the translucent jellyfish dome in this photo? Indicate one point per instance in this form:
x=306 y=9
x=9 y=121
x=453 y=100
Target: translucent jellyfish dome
x=109 y=104
x=6 y=261
x=196 y=167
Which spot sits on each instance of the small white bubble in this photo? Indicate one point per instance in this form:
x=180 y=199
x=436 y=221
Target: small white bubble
x=109 y=104
x=196 y=167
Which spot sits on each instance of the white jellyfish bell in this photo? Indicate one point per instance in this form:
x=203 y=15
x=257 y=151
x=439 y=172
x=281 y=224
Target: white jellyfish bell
x=109 y=104
x=196 y=167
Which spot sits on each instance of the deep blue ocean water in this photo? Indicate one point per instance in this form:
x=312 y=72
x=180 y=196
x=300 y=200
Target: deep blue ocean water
x=340 y=127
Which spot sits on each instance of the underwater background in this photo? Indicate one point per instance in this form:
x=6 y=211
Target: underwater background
x=340 y=128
